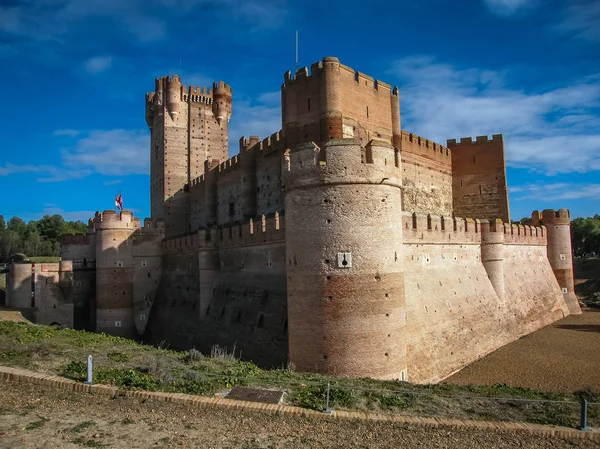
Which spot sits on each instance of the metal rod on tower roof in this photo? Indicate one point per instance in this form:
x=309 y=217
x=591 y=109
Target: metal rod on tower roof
x=296 y=49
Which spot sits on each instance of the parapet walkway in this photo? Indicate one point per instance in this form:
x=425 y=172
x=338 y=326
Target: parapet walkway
x=21 y=375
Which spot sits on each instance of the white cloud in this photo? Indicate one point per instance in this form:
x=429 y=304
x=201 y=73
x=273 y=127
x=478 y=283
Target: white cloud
x=82 y=215
x=146 y=20
x=112 y=183
x=553 y=130
x=504 y=8
x=260 y=119
x=98 y=64
x=66 y=132
x=582 y=19
x=557 y=192
x=114 y=152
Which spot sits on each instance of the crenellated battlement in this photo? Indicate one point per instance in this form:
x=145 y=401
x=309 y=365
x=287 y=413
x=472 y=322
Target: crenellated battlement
x=221 y=85
x=427 y=228
x=496 y=138
x=272 y=143
x=343 y=161
x=551 y=217
x=414 y=144
x=230 y=164
x=263 y=229
x=303 y=74
x=109 y=219
x=518 y=234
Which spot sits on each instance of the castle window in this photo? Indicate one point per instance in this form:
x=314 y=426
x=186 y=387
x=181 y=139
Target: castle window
x=367 y=111
x=309 y=104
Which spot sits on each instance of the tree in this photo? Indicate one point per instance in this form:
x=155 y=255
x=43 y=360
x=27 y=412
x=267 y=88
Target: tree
x=52 y=227
x=2 y=224
x=17 y=225
x=586 y=235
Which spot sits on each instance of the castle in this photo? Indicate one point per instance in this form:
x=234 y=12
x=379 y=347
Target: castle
x=342 y=243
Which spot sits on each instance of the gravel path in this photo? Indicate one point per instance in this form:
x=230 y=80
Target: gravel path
x=563 y=357
x=40 y=417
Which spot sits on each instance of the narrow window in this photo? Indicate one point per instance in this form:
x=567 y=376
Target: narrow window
x=367 y=111
x=309 y=104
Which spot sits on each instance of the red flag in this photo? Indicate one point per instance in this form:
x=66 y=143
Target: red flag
x=119 y=202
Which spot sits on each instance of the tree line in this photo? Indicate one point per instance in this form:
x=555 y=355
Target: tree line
x=37 y=237
x=586 y=236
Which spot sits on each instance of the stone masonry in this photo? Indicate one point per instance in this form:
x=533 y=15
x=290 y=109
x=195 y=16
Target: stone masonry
x=341 y=243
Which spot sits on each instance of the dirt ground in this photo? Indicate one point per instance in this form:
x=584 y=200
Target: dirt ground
x=41 y=417
x=563 y=357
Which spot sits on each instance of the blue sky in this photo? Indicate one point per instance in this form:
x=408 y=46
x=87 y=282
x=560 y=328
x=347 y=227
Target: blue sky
x=75 y=73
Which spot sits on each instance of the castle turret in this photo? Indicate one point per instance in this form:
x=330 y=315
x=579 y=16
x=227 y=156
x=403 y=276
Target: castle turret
x=346 y=307
x=150 y=110
x=560 y=255
x=331 y=100
x=173 y=85
x=221 y=105
x=114 y=273
x=492 y=253
x=20 y=286
x=396 y=126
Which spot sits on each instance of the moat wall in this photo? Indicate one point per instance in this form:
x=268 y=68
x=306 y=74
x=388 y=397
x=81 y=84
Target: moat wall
x=454 y=315
x=225 y=288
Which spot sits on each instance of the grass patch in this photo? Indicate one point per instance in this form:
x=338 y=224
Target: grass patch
x=36 y=424
x=82 y=426
x=129 y=365
x=82 y=441
x=44 y=259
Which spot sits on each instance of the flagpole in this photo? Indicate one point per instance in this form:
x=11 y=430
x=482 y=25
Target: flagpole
x=296 y=49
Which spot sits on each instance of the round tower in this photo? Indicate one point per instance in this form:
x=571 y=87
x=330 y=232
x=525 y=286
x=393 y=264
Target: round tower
x=150 y=110
x=331 y=100
x=173 y=95
x=221 y=102
x=20 y=286
x=344 y=260
x=114 y=273
x=492 y=253
x=558 y=227
x=396 y=127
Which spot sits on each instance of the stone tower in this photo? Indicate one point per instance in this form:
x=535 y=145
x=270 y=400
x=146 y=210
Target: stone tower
x=188 y=126
x=114 y=273
x=334 y=101
x=346 y=305
x=560 y=255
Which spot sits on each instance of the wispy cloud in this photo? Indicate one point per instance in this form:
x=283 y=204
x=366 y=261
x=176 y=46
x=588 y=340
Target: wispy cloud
x=261 y=118
x=67 y=132
x=112 y=183
x=552 y=130
x=505 y=8
x=146 y=20
x=582 y=19
x=81 y=215
x=556 y=192
x=97 y=64
x=112 y=152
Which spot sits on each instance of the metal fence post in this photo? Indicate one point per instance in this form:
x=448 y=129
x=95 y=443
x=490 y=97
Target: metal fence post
x=327 y=409
x=89 y=370
x=583 y=423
